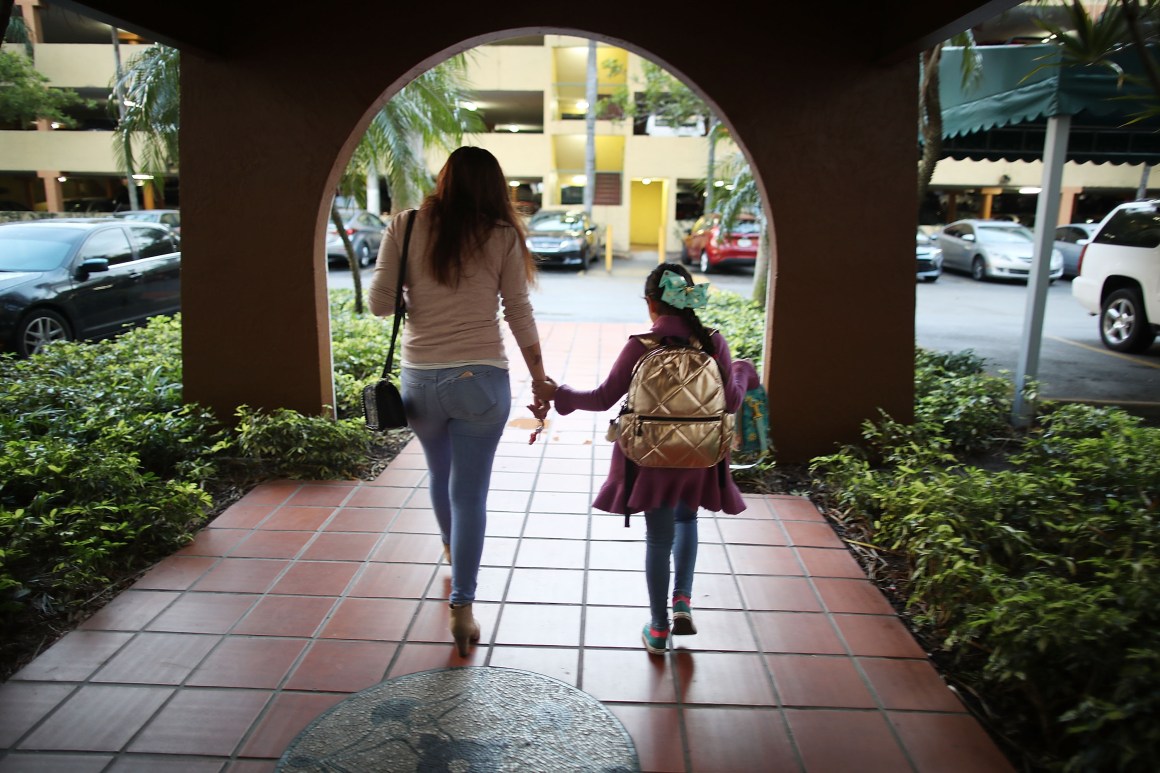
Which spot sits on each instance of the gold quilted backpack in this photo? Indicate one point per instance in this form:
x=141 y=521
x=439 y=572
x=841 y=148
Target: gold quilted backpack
x=674 y=413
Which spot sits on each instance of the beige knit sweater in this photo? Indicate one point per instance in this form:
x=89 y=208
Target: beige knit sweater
x=452 y=326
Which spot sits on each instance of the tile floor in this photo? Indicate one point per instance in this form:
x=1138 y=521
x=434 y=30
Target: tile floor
x=304 y=592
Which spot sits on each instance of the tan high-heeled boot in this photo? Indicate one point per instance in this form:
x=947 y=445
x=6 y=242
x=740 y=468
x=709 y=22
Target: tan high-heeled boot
x=464 y=629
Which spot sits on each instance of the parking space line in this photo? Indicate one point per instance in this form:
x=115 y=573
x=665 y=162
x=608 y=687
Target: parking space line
x=1108 y=352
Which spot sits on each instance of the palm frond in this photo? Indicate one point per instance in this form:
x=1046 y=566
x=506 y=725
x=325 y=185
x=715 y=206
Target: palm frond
x=146 y=137
x=425 y=113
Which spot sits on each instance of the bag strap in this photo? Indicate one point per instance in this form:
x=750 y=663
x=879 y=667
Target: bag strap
x=400 y=306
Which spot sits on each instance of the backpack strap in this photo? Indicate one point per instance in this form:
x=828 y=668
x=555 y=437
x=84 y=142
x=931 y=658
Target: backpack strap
x=630 y=470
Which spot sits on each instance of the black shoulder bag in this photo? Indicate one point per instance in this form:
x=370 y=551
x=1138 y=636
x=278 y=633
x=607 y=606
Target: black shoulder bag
x=382 y=403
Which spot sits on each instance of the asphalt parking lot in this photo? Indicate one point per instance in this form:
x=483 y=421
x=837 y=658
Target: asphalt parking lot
x=953 y=314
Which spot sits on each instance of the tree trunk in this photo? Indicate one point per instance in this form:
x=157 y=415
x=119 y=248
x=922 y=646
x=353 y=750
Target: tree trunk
x=710 y=190
x=590 y=130
x=355 y=274
x=930 y=122
x=761 y=268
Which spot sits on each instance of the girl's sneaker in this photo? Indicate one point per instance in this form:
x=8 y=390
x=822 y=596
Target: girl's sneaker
x=683 y=617
x=656 y=640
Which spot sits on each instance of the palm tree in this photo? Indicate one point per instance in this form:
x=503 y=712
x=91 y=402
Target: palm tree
x=1125 y=25
x=741 y=194
x=149 y=89
x=425 y=113
x=930 y=121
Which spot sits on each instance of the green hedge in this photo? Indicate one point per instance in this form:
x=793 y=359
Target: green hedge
x=104 y=471
x=1032 y=559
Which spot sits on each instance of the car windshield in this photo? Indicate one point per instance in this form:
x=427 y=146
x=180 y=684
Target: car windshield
x=745 y=227
x=35 y=249
x=555 y=222
x=1005 y=234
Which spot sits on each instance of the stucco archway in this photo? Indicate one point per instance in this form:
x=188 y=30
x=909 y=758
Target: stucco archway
x=823 y=97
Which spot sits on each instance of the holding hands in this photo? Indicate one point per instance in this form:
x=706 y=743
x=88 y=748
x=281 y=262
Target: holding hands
x=543 y=390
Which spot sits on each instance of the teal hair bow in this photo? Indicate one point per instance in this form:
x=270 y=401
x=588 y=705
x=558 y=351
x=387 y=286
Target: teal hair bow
x=676 y=293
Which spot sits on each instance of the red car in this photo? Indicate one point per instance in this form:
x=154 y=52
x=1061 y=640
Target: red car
x=704 y=243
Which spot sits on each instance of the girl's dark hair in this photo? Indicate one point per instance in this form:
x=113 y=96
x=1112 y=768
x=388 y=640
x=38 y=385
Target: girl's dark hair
x=470 y=199
x=652 y=289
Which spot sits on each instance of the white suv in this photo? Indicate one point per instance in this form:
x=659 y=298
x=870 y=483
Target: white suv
x=1119 y=276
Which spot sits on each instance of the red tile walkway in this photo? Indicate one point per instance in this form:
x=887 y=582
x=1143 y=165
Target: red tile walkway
x=304 y=592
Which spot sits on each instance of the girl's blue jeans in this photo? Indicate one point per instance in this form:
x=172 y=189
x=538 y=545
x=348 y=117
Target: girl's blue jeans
x=459 y=414
x=670 y=531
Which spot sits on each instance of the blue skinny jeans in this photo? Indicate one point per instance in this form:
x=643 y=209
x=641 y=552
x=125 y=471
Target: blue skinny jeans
x=669 y=531
x=459 y=414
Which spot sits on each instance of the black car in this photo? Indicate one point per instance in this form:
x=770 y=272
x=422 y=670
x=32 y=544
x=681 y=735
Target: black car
x=81 y=279
x=563 y=237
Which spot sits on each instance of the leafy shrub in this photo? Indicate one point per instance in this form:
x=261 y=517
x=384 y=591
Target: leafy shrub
x=1040 y=574
x=740 y=320
x=285 y=443
x=104 y=470
x=359 y=350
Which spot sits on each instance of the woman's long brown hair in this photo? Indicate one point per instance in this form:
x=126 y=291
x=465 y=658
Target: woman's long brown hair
x=470 y=199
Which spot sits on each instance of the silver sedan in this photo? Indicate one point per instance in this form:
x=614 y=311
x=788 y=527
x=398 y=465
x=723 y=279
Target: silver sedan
x=992 y=249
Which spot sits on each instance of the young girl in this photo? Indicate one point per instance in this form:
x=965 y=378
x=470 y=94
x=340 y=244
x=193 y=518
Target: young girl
x=669 y=497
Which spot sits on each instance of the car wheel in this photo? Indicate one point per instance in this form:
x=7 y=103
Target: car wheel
x=365 y=257
x=706 y=267
x=1124 y=324
x=930 y=279
x=39 y=329
x=978 y=269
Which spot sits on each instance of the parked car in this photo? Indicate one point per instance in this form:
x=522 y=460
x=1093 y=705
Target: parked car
x=1070 y=240
x=78 y=279
x=169 y=217
x=928 y=257
x=365 y=231
x=992 y=249
x=1119 y=276
x=93 y=204
x=705 y=244
x=564 y=237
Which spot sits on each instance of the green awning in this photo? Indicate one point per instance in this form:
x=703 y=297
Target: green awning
x=1003 y=116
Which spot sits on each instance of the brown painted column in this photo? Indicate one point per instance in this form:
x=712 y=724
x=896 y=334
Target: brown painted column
x=840 y=310
x=255 y=316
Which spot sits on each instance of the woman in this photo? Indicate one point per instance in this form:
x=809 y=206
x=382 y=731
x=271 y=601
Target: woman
x=467 y=254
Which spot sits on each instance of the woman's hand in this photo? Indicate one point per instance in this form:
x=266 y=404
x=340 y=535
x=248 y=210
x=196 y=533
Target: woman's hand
x=539 y=409
x=544 y=389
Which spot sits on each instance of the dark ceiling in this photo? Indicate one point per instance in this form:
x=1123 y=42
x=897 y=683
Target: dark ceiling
x=889 y=29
